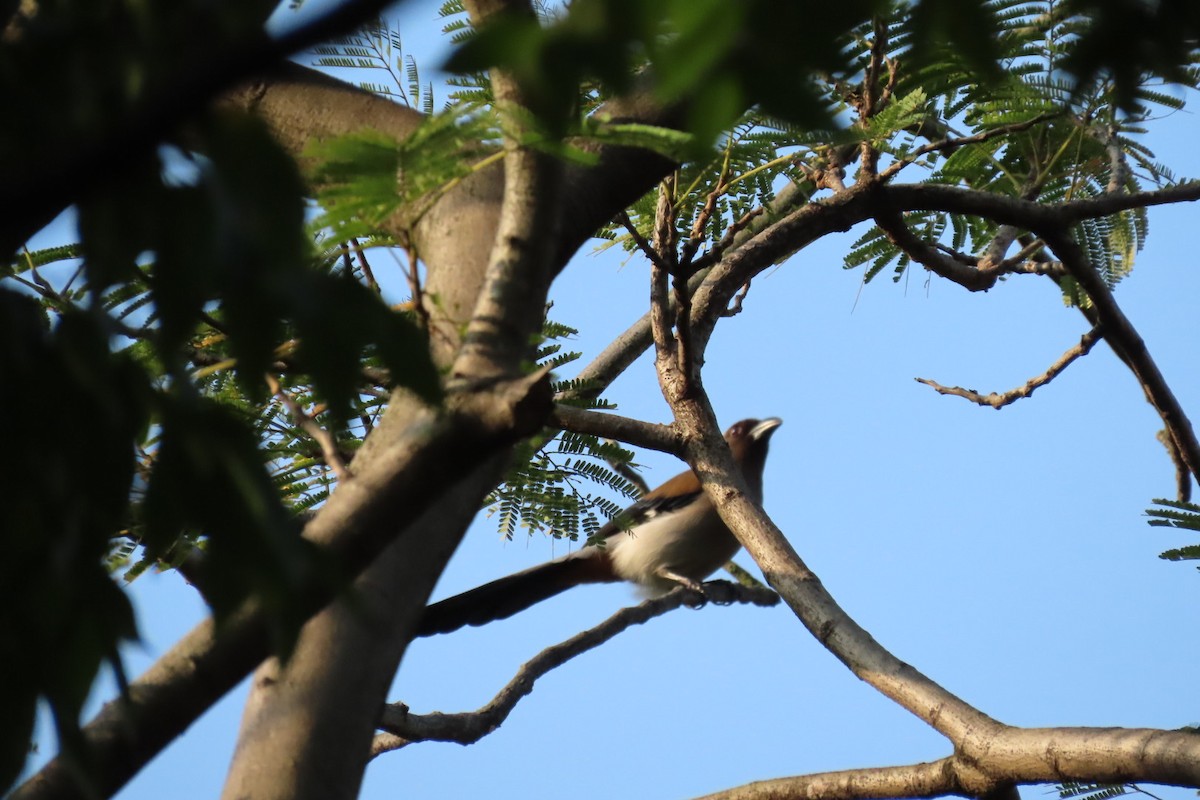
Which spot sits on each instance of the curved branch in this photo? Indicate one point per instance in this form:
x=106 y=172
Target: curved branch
x=848 y=207
x=782 y=237
x=49 y=184
x=1014 y=757
x=1121 y=334
x=1027 y=213
x=990 y=755
x=403 y=728
x=802 y=590
x=969 y=277
x=998 y=401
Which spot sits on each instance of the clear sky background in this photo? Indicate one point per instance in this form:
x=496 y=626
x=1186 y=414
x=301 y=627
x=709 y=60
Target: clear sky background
x=1005 y=554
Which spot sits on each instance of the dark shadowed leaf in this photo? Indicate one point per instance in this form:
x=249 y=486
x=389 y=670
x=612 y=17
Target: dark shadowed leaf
x=75 y=410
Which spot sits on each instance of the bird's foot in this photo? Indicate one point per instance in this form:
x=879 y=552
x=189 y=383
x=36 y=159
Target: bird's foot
x=721 y=593
x=697 y=598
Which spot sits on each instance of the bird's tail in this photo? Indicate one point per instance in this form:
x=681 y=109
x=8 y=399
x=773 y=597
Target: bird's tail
x=502 y=598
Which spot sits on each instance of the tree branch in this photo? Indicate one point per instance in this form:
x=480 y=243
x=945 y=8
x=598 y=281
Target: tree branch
x=931 y=779
x=970 y=278
x=990 y=756
x=51 y=183
x=322 y=437
x=1124 y=338
x=1028 y=214
x=1014 y=757
x=357 y=523
x=709 y=456
x=998 y=401
x=403 y=728
x=952 y=143
x=662 y=438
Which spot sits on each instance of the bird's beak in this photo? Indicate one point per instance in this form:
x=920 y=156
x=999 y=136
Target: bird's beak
x=763 y=429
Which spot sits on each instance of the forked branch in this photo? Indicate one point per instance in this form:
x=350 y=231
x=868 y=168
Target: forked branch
x=402 y=728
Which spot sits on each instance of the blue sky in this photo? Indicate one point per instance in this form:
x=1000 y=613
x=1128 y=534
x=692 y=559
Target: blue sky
x=1005 y=554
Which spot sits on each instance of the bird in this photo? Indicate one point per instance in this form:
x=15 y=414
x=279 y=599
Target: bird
x=671 y=536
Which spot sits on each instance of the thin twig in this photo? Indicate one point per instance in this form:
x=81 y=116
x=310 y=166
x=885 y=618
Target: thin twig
x=702 y=219
x=367 y=272
x=628 y=471
x=998 y=401
x=735 y=306
x=310 y=426
x=872 y=102
x=639 y=240
x=714 y=255
x=1021 y=261
x=413 y=274
x=402 y=728
x=954 y=143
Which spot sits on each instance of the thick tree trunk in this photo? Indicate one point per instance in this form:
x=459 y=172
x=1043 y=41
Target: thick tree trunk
x=307 y=728
x=308 y=725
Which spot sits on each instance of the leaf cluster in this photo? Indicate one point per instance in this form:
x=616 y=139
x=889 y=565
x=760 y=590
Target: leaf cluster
x=377 y=47
x=1033 y=132
x=1072 y=790
x=1175 y=514
x=548 y=489
x=132 y=364
x=364 y=178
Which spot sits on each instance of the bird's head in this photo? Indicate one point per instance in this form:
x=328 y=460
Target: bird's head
x=748 y=441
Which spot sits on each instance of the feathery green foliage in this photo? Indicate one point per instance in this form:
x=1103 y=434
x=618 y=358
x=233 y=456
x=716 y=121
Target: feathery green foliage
x=549 y=488
x=377 y=46
x=1081 y=145
x=194 y=277
x=197 y=276
x=1176 y=514
x=1074 y=790
x=366 y=177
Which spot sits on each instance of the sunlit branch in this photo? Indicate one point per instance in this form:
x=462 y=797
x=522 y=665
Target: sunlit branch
x=613 y=426
x=998 y=401
x=403 y=728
